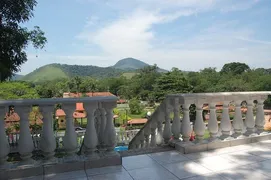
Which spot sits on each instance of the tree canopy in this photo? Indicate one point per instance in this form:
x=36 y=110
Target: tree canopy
x=14 y=38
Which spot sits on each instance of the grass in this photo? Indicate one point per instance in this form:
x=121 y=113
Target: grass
x=45 y=73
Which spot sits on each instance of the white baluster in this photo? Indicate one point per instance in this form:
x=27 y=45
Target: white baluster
x=176 y=124
x=110 y=132
x=153 y=135
x=25 y=143
x=159 y=137
x=237 y=120
x=199 y=124
x=70 y=137
x=186 y=127
x=250 y=122
x=167 y=131
x=91 y=138
x=4 y=147
x=147 y=131
x=225 y=123
x=260 y=120
x=48 y=141
x=212 y=123
x=141 y=138
x=102 y=129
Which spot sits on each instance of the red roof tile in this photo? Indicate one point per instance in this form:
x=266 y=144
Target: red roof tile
x=89 y=94
x=137 y=121
x=60 y=112
x=79 y=107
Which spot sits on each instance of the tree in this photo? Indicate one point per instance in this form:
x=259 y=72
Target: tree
x=14 y=38
x=17 y=90
x=235 y=68
x=135 y=107
x=171 y=83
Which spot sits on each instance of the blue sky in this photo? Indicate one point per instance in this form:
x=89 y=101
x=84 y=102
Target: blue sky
x=187 y=34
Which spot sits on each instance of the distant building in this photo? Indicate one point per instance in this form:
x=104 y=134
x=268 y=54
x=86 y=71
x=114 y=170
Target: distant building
x=89 y=94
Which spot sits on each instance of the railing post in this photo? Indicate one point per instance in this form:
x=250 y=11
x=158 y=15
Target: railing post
x=212 y=123
x=260 y=120
x=186 y=127
x=47 y=142
x=110 y=132
x=90 y=138
x=167 y=131
x=25 y=143
x=199 y=124
x=70 y=137
x=101 y=134
x=176 y=124
x=249 y=121
x=225 y=124
x=237 y=121
x=4 y=145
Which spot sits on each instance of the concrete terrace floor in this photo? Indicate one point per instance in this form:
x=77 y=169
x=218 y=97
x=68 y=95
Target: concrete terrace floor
x=251 y=161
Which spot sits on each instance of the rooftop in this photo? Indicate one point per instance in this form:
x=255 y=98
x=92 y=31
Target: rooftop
x=250 y=161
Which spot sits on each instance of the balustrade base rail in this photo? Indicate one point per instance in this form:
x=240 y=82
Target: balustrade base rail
x=58 y=165
x=193 y=147
x=149 y=150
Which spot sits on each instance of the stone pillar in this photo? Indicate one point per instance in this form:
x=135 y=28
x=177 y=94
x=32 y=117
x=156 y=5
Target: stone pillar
x=260 y=120
x=250 y=122
x=167 y=131
x=110 y=132
x=176 y=124
x=199 y=124
x=48 y=140
x=70 y=137
x=101 y=135
x=186 y=127
x=4 y=147
x=225 y=124
x=212 y=123
x=238 y=120
x=25 y=143
x=91 y=137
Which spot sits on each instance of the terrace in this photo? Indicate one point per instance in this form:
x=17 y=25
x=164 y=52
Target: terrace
x=160 y=150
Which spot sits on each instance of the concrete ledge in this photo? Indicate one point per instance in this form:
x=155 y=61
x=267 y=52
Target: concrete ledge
x=14 y=171
x=192 y=147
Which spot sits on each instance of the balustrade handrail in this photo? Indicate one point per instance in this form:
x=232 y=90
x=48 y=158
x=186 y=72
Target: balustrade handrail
x=100 y=136
x=178 y=128
x=50 y=101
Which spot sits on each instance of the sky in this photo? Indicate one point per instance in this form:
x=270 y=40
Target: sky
x=187 y=34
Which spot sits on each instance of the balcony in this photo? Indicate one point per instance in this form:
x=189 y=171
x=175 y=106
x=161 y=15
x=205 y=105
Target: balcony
x=160 y=150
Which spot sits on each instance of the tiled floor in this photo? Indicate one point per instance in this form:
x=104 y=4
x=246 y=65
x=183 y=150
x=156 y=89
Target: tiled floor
x=251 y=161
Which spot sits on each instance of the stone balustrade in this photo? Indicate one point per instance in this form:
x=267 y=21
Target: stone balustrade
x=162 y=129
x=94 y=146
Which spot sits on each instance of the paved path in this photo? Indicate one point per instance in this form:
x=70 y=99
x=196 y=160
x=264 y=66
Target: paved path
x=252 y=161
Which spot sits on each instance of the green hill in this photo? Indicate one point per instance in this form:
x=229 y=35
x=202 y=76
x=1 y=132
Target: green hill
x=126 y=67
x=45 y=73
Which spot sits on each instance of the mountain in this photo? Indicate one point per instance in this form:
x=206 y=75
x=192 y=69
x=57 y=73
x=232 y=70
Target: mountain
x=130 y=64
x=126 y=67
